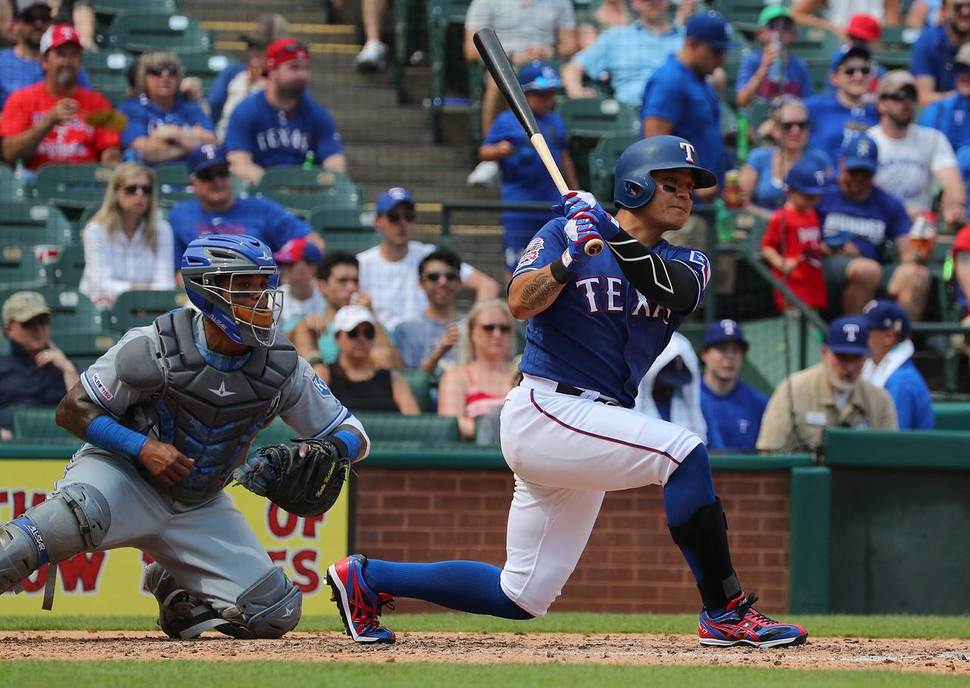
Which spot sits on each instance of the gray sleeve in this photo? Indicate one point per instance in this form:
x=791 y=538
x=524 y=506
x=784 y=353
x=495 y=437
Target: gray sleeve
x=308 y=406
x=478 y=15
x=566 y=14
x=126 y=374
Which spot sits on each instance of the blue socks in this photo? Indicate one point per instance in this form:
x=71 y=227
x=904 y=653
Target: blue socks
x=688 y=489
x=465 y=586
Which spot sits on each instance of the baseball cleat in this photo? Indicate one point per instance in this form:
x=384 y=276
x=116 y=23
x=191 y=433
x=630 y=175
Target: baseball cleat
x=741 y=623
x=359 y=606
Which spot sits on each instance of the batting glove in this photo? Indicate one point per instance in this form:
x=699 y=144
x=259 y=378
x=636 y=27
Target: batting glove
x=577 y=204
x=580 y=232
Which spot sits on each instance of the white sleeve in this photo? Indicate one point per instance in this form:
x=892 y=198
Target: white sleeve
x=943 y=155
x=478 y=16
x=164 y=274
x=98 y=282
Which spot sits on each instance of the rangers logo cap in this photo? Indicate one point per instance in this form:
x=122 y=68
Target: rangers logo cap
x=849 y=335
x=58 y=35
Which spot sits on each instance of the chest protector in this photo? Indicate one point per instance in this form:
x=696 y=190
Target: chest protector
x=209 y=415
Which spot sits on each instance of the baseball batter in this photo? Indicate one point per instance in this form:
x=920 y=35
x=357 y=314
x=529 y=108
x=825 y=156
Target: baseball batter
x=568 y=430
x=168 y=414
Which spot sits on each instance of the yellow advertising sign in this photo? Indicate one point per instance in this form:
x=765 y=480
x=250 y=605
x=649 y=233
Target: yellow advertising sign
x=107 y=583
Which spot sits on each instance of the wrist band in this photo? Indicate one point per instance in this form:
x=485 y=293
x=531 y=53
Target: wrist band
x=560 y=268
x=107 y=433
x=347 y=441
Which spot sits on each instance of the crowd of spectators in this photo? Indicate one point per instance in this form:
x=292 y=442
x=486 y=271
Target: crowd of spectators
x=838 y=173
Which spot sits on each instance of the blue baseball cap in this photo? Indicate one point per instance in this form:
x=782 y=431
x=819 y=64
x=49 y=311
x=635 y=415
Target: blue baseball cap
x=848 y=335
x=711 y=28
x=390 y=198
x=725 y=330
x=887 y=315
x=846 y=51
x=537 y=76
x=860 y=152
x=207 y=155
x=806 y=176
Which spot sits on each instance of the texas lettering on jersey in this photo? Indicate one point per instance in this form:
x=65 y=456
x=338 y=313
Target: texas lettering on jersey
x=276 y=138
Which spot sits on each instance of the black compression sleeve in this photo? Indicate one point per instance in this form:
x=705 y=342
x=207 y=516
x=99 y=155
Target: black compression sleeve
x=667 y=282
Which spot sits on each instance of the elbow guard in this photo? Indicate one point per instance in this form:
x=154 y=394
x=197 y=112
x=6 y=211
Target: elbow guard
x=667 y=282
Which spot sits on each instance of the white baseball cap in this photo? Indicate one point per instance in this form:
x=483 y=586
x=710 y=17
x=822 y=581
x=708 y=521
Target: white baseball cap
x=349 y=317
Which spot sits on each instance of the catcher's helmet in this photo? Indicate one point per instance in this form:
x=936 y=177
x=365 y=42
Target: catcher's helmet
x=208 y=259
x=633 y=186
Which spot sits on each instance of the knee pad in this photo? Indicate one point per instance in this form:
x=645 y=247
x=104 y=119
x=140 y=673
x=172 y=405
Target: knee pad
x=268 y=608
x=74 y=519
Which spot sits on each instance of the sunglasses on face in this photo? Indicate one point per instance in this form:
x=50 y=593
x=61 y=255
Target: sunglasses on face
x=132 y=189
x=407 y=213
x=436 y=276
x=163 y=70
x=864 y=70
x=491 y=327
x=901 y=96
x=800 y=123
x=41 y=16
x=781 y=24
x=365 y=330
x=211 y=174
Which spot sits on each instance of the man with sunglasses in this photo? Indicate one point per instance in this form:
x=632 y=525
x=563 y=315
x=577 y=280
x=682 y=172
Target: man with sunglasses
x=933 y=53
x=282 y=124
x=759 y=75
x=848 y=108
x=216 y=209
x=569 y=430
x=951 y=115
x=20 y=65
x=911 y=156
x=35 y=372
x=831 y=393
x=387 y=270
x=678 y=99
x=46 y=123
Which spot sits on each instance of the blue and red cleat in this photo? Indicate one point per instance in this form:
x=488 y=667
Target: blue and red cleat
x=741 y=623
x=359 y=606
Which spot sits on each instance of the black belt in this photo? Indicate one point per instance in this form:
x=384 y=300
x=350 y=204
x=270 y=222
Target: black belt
x=577 y=392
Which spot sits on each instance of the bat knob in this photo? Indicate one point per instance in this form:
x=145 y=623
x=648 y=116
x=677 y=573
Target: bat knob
x=593 y=246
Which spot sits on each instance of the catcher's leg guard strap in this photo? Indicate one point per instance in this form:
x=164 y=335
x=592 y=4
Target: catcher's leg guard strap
x=74 y=519
x=704 y=537
x=268 y=608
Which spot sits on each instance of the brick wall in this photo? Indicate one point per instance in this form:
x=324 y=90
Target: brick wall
x=630 y=565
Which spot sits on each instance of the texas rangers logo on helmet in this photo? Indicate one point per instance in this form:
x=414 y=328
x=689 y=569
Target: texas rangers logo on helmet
x=689 y=151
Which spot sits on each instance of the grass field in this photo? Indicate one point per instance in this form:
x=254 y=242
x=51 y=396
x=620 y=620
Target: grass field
x=470 y=651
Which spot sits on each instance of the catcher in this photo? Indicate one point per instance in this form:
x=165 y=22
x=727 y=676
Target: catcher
x=168 y=415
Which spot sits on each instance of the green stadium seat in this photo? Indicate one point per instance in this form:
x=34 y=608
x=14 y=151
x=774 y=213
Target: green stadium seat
x=420 y=383
x=815 y=43
x=952 y=416
x=33 y=225
x=35 y=425
x=325 y=219
x=140 y=32
x=590 y=119
x=138 y=308
x=353 y=241
x=115 y=7
x=20 y=269
x=204 y=66
x=69 y=266
x=72 y=188
x=427 y=428
x=603 y=159
x=741 y=11
x=12 y=189
x=305 y=189
x=84 y=347
x=110 y=62
x=71 y=311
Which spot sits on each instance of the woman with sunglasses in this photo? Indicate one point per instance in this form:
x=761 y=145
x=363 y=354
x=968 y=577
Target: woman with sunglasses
x=355 y=378
x=763 y=174
x=127 y=244
x=163 y=126
x=478 y=386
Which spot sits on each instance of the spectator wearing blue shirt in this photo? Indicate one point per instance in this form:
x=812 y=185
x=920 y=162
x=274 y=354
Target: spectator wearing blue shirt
x=849 y=108
x=732 y=408
x=162 y=125
x=216 y=210
x=283 y=125
x=678 y=100
x=20 y=65
x=774 y=70
x=858 y=219
x=628 y=55
x=951 y=115
x=891 y=366
x=931 y=60
x=523 y=175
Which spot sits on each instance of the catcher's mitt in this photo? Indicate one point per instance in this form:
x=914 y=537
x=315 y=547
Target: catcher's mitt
x=303 y=478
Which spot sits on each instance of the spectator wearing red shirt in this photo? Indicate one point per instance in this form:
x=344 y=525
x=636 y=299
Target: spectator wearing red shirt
x=45 y=123
x=792 y=243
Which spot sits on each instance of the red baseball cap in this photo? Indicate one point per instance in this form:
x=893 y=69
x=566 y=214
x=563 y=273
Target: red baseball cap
x=58 y=35
x=864 y=27
x=283 y=50
x=962 y=241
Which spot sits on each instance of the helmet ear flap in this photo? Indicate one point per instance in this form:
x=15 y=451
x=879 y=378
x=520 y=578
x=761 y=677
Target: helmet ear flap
x=632 y=188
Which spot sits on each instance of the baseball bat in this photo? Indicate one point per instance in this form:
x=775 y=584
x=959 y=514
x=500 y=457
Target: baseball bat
x=498 y=65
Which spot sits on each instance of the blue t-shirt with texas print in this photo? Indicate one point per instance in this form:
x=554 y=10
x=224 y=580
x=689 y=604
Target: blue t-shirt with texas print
x=600 y=333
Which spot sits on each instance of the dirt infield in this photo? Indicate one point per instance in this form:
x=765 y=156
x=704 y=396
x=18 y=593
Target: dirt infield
x=929 y=656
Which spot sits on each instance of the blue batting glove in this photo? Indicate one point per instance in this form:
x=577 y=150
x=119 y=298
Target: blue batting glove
x=579 y=233
x=582 y=203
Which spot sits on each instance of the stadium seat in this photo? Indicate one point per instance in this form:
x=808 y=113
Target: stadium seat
x=750 y=224
x=33 y=225
x=427 y=428
x=741 y=11
x=20 y=269
x=67 y=270
x=325 y=218
x=140 y=32
x=111 y=63
x=12 y=189
x=353 y=241
x=71 y=311
x=138 y=308
x=895 y=47
x=83 y=348
x=420 y=383
x=446 y=22
x=35 y=425
x=301 y=189
x=590 y=119
x=71 y=188
x=602 y=160
x=204 y=66
x=952 y=416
